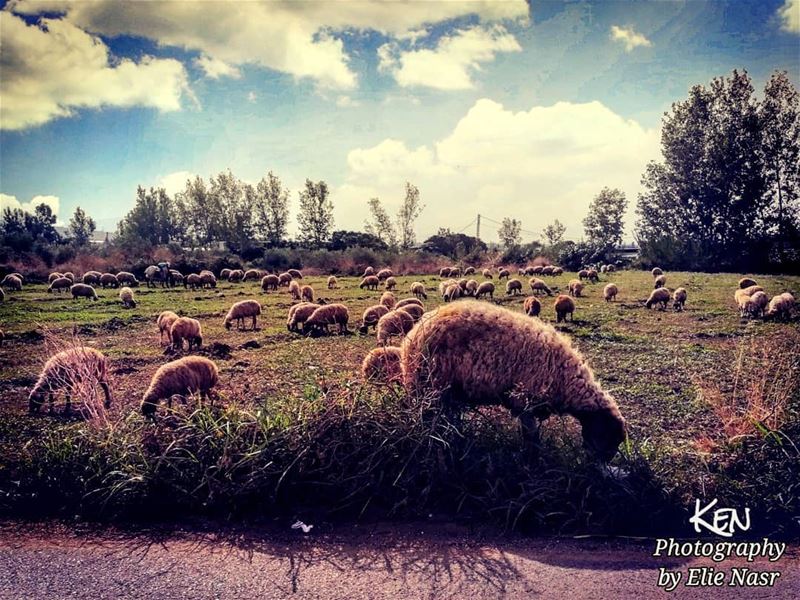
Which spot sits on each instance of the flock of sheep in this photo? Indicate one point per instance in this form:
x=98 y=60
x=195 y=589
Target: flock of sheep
x=513 y=360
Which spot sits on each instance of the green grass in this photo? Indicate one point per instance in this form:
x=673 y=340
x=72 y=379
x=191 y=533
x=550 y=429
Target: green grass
x=297 y=428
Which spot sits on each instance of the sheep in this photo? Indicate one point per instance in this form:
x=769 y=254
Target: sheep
x=185 y=328
x=307 y=293
x=487 y=287
x=371 y=317
x=407 y=301
x=193 y=281
x=294 y=290
x=583 y=274
x=395 y=323
x=187 y=375
x=368 y=271
x=67 y=370
x=235 y=276
x=537 y=270
x=603 y=269
x=175 y=277
x=269 y=282
x=749 y=291
x=388 y=300
x=548 y=270
x=50 y=279
x=418 y=289
x=462 y=283
x=575 y=287
x=529 y=271
x=455 y=271
x=610 y=292
x=251 y=274
x=658 y=296
x=225 y=273
x=69 y=275
x=656 y=272
x=108 y=280
x=532 y=306
x=469 y=271
x=332 y=282
x=745 y=303
x=384 y=274
x=329 y=314
x=453 y=292
x=125 y=278
x=470 y=287
x=61 y=284
x=414 y=310
x=513 y=287
x=207 y=279
x=298 y=314
x=295 y=273
x=164 y=322
x=241 y=311
x=126 y=297
x=564 y=306
x=660 y=281
x=593 y=276
x=284 y=279
x=12 y=282
x=91 y=278
x=780 y=307
x=513 y=361
x=610 y=268
x=153 y=274
x=391 y=283
x=370 y=282
x=760 y=301
x=503 y=274
x=443 y=285
x=81 y=290
x=540 y=287
x=206 y=271
x=382 y=365
x=487 y=273
x=746 y=282
x=444 y=272
x=679 y=298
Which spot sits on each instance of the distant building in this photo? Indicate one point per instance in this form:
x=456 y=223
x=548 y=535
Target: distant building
x=98 y=237
x=627 y=251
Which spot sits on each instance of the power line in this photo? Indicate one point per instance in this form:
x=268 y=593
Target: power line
x=528 y=231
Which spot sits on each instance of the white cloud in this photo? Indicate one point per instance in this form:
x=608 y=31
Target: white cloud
x=53 y=68
x=252 y=96
x=215 y=68
x=630 y=38
x=175 y=182
x=536 y=165
x=452 y=63
x=7 y=201
x=789 y=15
x=347 y=102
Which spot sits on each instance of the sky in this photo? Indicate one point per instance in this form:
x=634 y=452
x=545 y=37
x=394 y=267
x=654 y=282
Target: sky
x=499 y=108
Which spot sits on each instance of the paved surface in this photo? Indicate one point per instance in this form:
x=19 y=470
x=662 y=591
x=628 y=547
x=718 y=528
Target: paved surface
x=55 y=561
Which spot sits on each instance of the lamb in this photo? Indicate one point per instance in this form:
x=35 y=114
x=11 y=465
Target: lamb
x=384 y=274
x=91 y=278
x=370 y=282
x=513 y=287
x=371 y=317
x=470 y=287
x=414 y=310
x=294 y=290
x=241 y=311
x=487 y=273
x=469 y=271
x=418 y=290
x=307 y=293
x=251 y=274
x=760 y=301
x=207 y=279
x=67 y=370
x=444 y=272
x=12 y=282
x=235 y=276
x=583 y=274
x=532 y=306
x=746 y=282
x=185 y=328
x=187 y=375
x=269 y=282
x=780 y=307
x=503 y=273
x=656 y=272
x=284 y=279
x=125 y=278
x=50 y=279
x=575 y=288
x=329 y=314
x=593 y=276
x=126 y=297
x=298 y=314
x=660 y=282
x=658 y=296
x=610 y=292
x=388 y=300
x=225 y=273
x=540 y=287
x=108 y=280
x=332 y=282
x=59 y=285
x=391 y=283
x=164 y=322
x=407 y=301
x=382 y=365
x=193 y=281
x=368 y=271
x=679 y=298
x=81 y=290
x=453 y=292
x=513 y=361
x=564 y=306
x=295 y=274
x=486 y=288
x=396 y=323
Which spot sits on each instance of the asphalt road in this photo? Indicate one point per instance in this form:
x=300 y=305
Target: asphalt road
x=384 y=561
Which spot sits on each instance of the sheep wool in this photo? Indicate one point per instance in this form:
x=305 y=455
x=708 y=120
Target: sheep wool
x=388 y=300
x=583 y=274
x=193 y=281
x=394 y=324
x=251 y=274
x=91 y=278
x=679 y=298
x=269 y=282
x=13 y=282
x=164 y=322
x=369 y=282
x=382 y=365
x=108 y=280
x=236 y=276
x=243 y=310
x=391 y=283
x=780 y=307
x=406 y=301
x=503 y=274
x=368 y=271
x=513 y=287
x=284 y=279
x=656 y=272
x=185 y=328
x=444 y=272
x=414 y=310
x=295 y=274
x=187 y=375
x=225 y=273
x=332 y=282
x=126 y=297
x=418 y=290
x=65 y=370
x=208 y=279
x=487 y=273
x=575 y=288
x=81 y=290
x=371 y=317
x=307 y=293
x=123 y=277
x=485 y=289
x=294 y=290
x=660 y=296
x=329 y=314
x=298 y=314
x=610 y=292
x=564 y=306
x=540 y=287
x=470 y=287
x=660 y=282
x=746 y=282
x=532 y=306
x=61 y=284
x=453 y=292
x=50 y=279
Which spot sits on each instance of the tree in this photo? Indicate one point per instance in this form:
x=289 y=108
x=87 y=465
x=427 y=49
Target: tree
x=153 y=220
x=381 y=224
x=81 y=227
x=453 y=245
x=510 y=233
x=272 y=209
x=316 y=213
x=604 y=224
x=554 y=233
x=341 y=240
x=409 y=211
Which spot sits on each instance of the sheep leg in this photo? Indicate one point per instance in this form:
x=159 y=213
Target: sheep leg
x=530 y=433
x=68 y=405
x=107 y=392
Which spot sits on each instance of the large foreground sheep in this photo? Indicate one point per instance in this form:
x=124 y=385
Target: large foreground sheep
x=246 y=309
x=66 y=371
x=513 y=361
x=187 y=375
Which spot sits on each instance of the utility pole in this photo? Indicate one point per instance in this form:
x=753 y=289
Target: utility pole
x=478 y=228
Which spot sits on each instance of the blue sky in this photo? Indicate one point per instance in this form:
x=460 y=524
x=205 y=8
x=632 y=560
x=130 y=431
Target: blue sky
x=488 y=107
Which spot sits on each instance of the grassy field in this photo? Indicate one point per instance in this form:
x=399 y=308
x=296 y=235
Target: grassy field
x=712 y=404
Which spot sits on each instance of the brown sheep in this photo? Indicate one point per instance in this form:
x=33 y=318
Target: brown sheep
x=185 y=328
x=513 y=361
x=414 y=310
x=295 y=273
x=564 y=306
x=391 y=283
x=207 y=279
x=332 y=282
x=660 y=282
x=540 y=287
x=443 y=285
x=532 y=306
x=12 y=282
x=236 y=276
x=453 y=292
x=418 y=290
x=241 y=311
x=68 y=370
x=164 y=322
x=294 y=290
x=537 y=270
x=298 y=314
x=610 y=268
x=593 y=276
x=329 y=314
x=388 y=300
x=470 y=287
x=746 y=282
x=284 y=279
x=780 y=307
x=455 y=271
x=406 y=301
x=81 y=290
x=384 y=274
x=469 y=271
x=760 y=301
x=225 y=273
x=91 y=278
x=749 y=291
x=251 y=274
x=503 y=274
x=395 y=323
x=656 y=272
x=52 y=277
x=513 y=287
x=182 y=377
x=610 y=292
x=583 y=274
x=484 y=289
x=129 y=279
x=371 y=317
x=548 y=270
x=62 y=284
x=487 y=273
x=126 y=297
x=368 y=271
x=444 y=272
x=370 y=282
x=69 y=275
x=658 y=296
x=307 y=293
x=108 y=280
x=269 y=282
x=575 y=288
x=193 y=281
x=382 y=365
x=679 y=298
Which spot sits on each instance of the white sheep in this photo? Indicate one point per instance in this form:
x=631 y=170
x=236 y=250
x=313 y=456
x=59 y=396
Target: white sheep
x=187 y=375
x=67 y=370
x=246 y=309
x=186 y=328
x=126 y=297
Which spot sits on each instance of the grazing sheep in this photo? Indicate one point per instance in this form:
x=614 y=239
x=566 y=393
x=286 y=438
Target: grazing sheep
x=251 y=274
x=125 y=278
x=658 y=296
x=241 y=311
x=395 y=323
x=108 y=280
x=185 y=328
x=407 y=301
x=294 y=290
x=66 y=370
x=415 y=310
x=487 y=287
x=370 y=282
x=593 y=276
x=532 y=306
x=418 y=290
x=564 y=306
x=295 y=273
x=513 y=361
x=469 y=271
x=656 y=272
x=760 y=301
x=187 y=375
x=610 y=292
x=575 y=288
x=164 y=322
x=443 y=285
x=298 y=314
x=391 y=283
x=487 y=273
x=462 y=283
x=50 y=279
x=661 y=281
x=749 y=291
x=549 y=270
x=269 y=282
x=12 y=282
x=583 y=274
x=225 y=273
x=746 y=282
x=444 y=272
x=307 y=293
x=513 y=287
x=382 y=365
x=610 y=268
x=61 y=284
x=371 y=317
x=780 y=307
x=384 y=274
x=91 y=278
x=193 y=281
x=540 y=287
x=528 y=271
x=68 y=274
x=368 y=271
x=153 y=274
x=388 y=300
x=175 y=277
x=470 y=287
x=503 y=274
x=332 y=282
x=81 y=290
x=329 y=314
x=207 y=279
x=284 y=279
x=455 y=271
x=235 y=276
x=453 y=292
x=603 y=269
x=126 y=297
x=679 y=298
